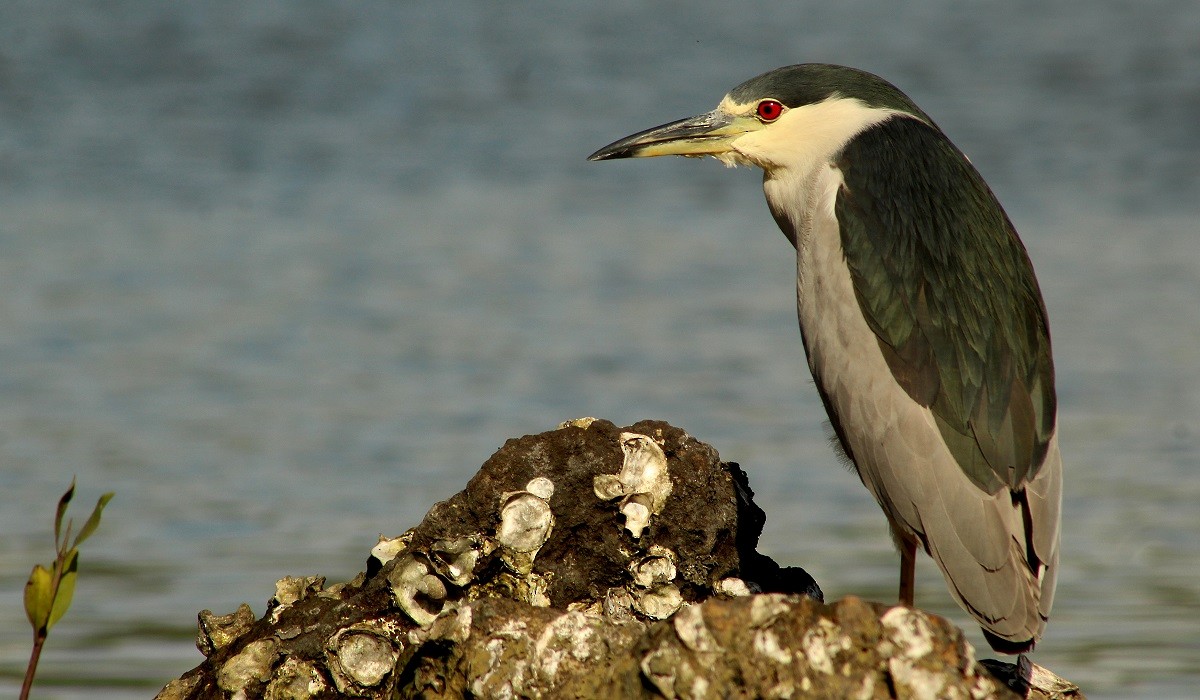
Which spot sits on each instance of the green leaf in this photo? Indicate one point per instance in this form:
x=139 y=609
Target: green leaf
x=66 y=589
x=39 y=597
x=62 y=510
x=93 y=521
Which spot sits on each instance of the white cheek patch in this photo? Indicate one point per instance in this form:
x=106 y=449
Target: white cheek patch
x=807 y=137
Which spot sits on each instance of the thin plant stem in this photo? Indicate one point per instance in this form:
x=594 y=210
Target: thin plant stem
x=39 y=639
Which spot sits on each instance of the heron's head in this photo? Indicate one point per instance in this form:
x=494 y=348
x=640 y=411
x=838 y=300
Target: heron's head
x=782 y=119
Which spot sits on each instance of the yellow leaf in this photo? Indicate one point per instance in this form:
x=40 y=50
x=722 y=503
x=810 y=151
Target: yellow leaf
x=94 y=521
x=66 y=589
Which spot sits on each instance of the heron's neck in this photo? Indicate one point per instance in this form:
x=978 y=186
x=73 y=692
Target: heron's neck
x=798 y=200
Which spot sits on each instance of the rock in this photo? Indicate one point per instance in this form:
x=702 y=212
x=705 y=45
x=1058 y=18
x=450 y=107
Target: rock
x=588 y=561
x=1032 y=681
x=215 y=632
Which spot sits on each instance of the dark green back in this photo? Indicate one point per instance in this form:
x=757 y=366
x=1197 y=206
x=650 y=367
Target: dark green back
x=947 y=287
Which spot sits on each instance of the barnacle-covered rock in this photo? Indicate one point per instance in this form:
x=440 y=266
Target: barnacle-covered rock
x=455 y=559
x=291 y=589
x=419 y=592
x=789 y=646
x=656 y=567
x=643 y=484
x=733 y=586
x=388 y=548
x=526 y=522
x=1031 y=681
x=252 y=665
x=361 y=657
x=524 y=584
x=659 y=602
x=296 y=679
x=215 y=632
x=584 y=423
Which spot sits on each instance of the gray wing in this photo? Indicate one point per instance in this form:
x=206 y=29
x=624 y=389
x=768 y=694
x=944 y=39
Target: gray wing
x=947 y=287
x=948 y=290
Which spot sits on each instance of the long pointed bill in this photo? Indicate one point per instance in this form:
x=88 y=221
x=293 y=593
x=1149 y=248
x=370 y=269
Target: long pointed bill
x=704 y=135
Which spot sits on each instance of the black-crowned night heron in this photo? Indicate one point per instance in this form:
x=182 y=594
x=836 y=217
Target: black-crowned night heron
x=922 y=321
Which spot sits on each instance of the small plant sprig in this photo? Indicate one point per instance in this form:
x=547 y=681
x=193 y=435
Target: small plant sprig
x=48 y=592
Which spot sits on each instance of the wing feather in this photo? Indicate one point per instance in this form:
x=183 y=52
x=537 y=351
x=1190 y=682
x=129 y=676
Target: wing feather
x=948 y=289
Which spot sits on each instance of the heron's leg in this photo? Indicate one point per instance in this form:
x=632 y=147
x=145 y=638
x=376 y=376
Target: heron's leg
x=908 y=567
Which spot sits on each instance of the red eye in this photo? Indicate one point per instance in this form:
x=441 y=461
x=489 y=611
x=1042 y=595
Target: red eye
x=769 y=110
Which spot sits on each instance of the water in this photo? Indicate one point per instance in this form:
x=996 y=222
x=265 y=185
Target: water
x=283 y=276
